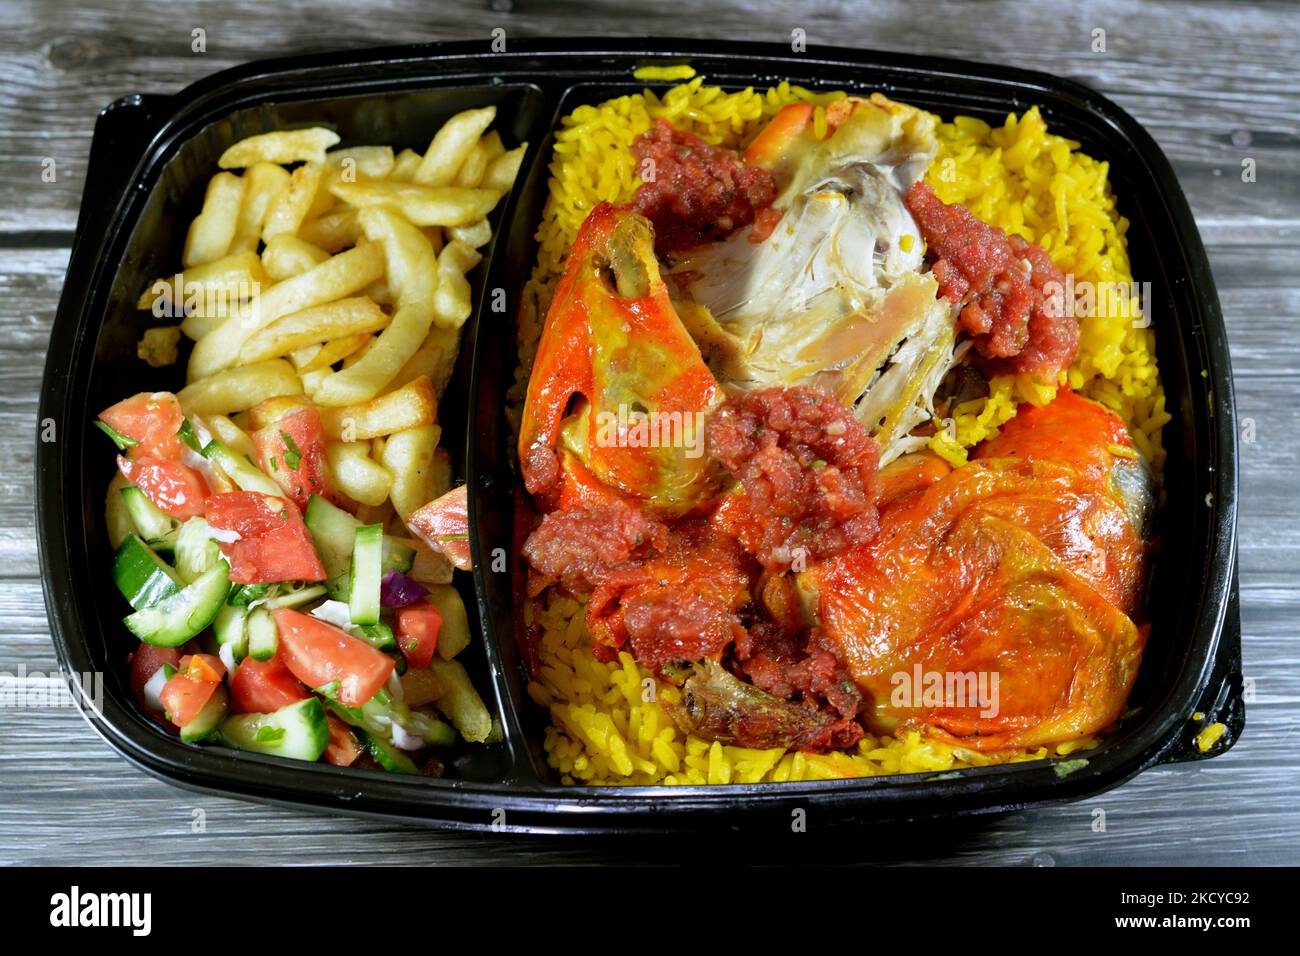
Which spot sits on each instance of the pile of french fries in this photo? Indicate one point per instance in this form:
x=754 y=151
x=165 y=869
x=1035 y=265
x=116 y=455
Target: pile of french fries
x=338 y=283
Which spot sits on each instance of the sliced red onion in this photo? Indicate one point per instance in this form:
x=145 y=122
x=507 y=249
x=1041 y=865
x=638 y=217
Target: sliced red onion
x=397 y=590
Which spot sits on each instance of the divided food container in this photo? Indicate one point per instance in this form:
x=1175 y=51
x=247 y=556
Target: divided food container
x=151 y=158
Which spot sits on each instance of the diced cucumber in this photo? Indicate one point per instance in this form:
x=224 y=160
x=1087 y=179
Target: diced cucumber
x=334 y=532
x=297 y=597
x=245 y=594
x=299 y=731
x=205 y=722
x=196 y=551
x=386 y=755
x=366 y=576
x=397 y=556
x=180 y=616
x=151 y=523
x=143 y=578
x=240 y=470
x=378 y=635
x=433 y=731
x=230 y=628
x=263 y=638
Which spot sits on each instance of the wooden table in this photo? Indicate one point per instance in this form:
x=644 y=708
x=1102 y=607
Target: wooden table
x=1215 y=82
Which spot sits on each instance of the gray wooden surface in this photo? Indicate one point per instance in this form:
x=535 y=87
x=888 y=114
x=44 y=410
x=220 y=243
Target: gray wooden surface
x=1215 y=82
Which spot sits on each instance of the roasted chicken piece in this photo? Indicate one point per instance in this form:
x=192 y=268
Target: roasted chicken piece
x=618 y=387
x=835 y=296
x=1020 y=572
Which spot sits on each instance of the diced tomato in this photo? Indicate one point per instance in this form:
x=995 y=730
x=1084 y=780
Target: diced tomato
x=202 y=667
x=273 y=543
x=319 y=654
x=292 y=451
x=343 y=748
x=418 y=626
x=262 y=687
x=145 y=663
x=183 y=697
x=152 y=419
x=176 y=489
x=443 y=524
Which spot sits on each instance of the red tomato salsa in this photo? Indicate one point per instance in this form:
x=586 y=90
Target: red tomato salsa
x=708 y=586
x=1008 y=290
x=693 y=192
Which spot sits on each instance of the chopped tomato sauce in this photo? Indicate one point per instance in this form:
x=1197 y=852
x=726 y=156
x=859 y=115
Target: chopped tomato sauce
x=1008 y=291
x=694 y=192
x=707 y=586
x=806 y=471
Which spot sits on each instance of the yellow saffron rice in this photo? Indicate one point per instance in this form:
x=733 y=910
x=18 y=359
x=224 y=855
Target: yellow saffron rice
x=606 y=723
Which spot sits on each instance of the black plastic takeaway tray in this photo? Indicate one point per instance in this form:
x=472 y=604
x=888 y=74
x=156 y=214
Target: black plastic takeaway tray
x=149 y=161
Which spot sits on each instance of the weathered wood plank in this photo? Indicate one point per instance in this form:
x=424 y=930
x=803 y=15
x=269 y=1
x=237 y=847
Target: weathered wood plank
x=1220 y=87
x=1194 y=103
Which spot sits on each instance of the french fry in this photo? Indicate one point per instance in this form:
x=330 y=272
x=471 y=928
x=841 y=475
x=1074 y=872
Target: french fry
x=230 y=435
x=381 y=292
x=491 y=145
x=461 y=703
x=322 y=356
x=287 y=213
x=435 y=237
x=273 y=409
x=281 y=146
x=212 y=290
x=472 y=169
x=421 y=686
x=158 y=346
x=440 y=482
x=435 y=358
x=319 y=323
x=213 y=229
x=287 y=256
x=408 y=455
x=422 y=205
x=474 y=235
x=501 y=173
x=238 y=389
x=333 y=231
x=451 y=144
x=360 y=162
x=266 y=181
x=404 y=166
x=355 y=474
x=451 y=303
x=409 y=407
x=336 y=277
x=429 y=567
x=454 y=636
x=375 y=514
x=413 y=275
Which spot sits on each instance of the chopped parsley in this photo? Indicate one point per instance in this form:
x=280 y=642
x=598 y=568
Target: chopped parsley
x=269 y=735
x=292 y=454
